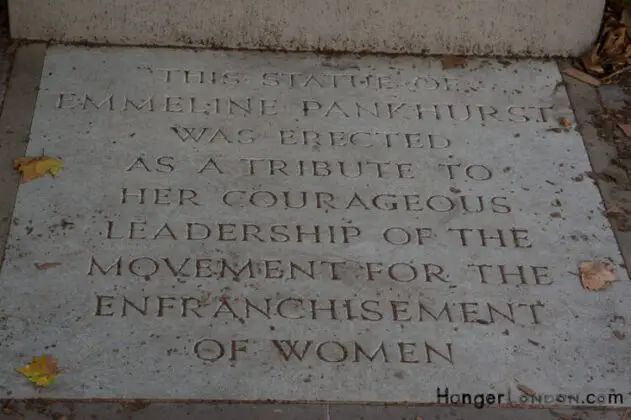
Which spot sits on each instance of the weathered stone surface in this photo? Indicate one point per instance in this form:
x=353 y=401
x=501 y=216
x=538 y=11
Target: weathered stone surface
x=530 y=28
x=472 y=163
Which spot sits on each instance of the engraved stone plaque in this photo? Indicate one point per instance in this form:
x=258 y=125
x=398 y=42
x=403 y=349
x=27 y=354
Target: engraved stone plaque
x=259 y=226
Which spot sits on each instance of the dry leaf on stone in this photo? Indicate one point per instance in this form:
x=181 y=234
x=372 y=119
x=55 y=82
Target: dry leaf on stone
x=596 y=275
x=526 y=390
x=42 y=370
x=626 y=129
x=565 y=122
x=582 y=76
x=35 y=167
x=46 y=266
x=452 y=61
x=614 y=212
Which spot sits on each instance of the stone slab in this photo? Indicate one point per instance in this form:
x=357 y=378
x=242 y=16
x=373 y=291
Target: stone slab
x=450 y=258
x=474 y=27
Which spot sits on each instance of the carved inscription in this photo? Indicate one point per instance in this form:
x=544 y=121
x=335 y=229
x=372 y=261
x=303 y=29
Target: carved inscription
x=308 y=108
x=331 y=178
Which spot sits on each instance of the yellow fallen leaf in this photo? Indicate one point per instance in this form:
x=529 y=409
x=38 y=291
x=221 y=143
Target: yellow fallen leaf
x=596 y=275
x=35 y=167
x=42 y=370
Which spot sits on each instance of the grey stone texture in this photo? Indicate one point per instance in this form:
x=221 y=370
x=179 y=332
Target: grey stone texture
x=179 y=163
x=474 y=27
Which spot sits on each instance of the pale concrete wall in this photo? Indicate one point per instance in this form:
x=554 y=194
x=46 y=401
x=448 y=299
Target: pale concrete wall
x=504 y=27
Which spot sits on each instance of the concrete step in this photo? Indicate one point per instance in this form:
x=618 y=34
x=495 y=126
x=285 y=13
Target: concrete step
x=473 y=27
x=195 y=411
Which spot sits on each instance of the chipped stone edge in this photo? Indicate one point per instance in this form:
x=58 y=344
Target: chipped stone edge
x=585 y=102
x=15 y=126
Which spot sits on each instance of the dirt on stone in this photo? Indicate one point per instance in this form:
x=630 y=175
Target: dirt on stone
x=618 y=172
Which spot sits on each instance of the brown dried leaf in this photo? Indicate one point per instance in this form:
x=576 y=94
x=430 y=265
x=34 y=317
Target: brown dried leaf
x=528 y=391
x=615 y=43
x=565 y=122
x=452 y=61
x=46 y=266
x=582 y=76
x=596 y=275
x=592 y=63
x=626 y=129
x=615 y=212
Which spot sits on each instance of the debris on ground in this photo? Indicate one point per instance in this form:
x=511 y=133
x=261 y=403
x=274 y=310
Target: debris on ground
x=565 y=122
x=619 y=334
x=452 y=61
x=34 y=167
x=46 y=266
x=526 y=390
x=559 y=415
x=596 y=275
x=42 y=370
x=582 y=76
x=615 y=212
x=610 y=56
x=626 y=129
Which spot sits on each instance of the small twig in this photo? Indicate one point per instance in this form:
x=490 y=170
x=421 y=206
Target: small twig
x=607 y=79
